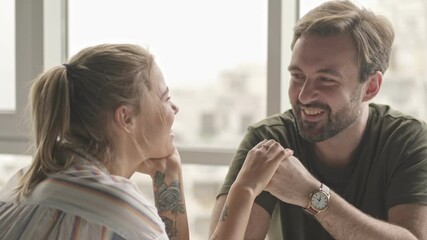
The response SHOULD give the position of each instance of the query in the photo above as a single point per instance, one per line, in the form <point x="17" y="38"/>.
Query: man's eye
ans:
<point x="297" y="76"/>
<point x="324" y="79"/>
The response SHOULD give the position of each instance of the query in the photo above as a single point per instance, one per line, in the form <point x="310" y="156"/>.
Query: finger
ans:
<point x="288" y="152"/>
<point x="274" y="145"/>
<point x="279" y="152"/>
<point x="268" y="144"/>
<point x="259" y="145"/>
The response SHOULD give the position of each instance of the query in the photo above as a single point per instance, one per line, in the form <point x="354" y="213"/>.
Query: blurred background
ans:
<point x="224" y="61"/>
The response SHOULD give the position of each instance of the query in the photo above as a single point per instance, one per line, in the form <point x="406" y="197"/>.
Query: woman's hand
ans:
<point x="168" y="165"/>
<point x="260" y="165"/>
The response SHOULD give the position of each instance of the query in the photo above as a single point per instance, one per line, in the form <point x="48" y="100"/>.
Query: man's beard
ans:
<point x="334" y="124"/>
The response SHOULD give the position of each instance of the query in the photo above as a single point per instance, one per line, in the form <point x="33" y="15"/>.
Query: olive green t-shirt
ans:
<point x="389" y="167"/>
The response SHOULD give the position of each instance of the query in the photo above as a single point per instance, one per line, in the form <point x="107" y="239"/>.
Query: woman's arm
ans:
<point x="259" y="166"/>
<point x="168" y="188"/>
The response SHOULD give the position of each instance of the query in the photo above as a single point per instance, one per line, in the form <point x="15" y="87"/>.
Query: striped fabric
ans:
<point x="83" y="202"/>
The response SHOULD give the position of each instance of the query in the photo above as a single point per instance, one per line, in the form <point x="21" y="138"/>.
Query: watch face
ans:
<point x="319" y="201"/>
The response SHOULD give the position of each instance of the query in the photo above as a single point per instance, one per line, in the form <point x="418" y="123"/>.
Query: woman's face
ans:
<point x="155" y="123"/>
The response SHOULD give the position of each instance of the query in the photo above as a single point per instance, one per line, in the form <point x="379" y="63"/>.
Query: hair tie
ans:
<point x="69" y="70"/>
<point x="68" y="67"/>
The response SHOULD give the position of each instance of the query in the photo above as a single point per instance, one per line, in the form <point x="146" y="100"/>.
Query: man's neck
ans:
<point x="337" y="151"/>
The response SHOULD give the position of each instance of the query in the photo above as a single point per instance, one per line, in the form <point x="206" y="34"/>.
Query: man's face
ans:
<point x="324" y="89"/>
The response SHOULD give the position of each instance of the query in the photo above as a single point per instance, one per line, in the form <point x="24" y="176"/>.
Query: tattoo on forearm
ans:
<point x="224" y="214"/>
<point x="168" y="197"/>
<point x="170" y="226"/>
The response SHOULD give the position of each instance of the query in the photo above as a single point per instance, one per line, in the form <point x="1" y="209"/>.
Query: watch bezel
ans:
<point x="324" y="196"/>
<point x="312" y="209"/>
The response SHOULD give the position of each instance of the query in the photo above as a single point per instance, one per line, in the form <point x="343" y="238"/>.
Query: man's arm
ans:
<point x="292" y="183"/>
<point x="259" y="220"/>
<point x="344" y="221"/>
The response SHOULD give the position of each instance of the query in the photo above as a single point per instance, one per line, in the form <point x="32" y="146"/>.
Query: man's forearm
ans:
<point x="344" y="221"/>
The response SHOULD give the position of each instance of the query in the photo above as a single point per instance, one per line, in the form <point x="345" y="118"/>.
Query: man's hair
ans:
<point x="373" y="34"/>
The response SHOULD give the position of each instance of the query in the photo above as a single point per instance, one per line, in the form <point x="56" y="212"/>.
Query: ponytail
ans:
<point x="50" y="105"/>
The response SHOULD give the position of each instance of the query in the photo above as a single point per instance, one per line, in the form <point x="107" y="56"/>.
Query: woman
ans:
<point x="97" y="120"/>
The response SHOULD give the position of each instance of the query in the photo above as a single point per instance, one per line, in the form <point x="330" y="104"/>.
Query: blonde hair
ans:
<point x="73" y="105"/>
<point x="372" y="34"/>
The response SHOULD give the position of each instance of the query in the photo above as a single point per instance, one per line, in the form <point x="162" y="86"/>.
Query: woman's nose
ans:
<point x="175" y="108"/>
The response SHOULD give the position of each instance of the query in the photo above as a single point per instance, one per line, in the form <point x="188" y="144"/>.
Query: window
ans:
<point x="208" y="128"/>
<point x="20" y="62"/>
<point x="7" y="61"/>
<point x="213" y="55"/>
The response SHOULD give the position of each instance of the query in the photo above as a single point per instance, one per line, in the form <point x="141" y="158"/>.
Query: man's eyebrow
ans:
<point x="165" y="92"/>
<point x="324" y="70"/>
<point x="293" y="68"/>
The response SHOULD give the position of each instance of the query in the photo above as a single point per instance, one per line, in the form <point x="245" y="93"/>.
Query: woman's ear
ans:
<point x="123" y="118"/>
<point x="373" y="86"/>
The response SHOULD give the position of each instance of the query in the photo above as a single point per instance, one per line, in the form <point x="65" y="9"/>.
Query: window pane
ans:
<point x="7" y="59"/>
<point x="10" y="164"/>
<point x="212" y="53"/>
<point x="405" y="85"/>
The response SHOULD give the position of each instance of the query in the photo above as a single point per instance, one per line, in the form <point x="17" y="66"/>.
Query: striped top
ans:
<point x="82" y="202"/>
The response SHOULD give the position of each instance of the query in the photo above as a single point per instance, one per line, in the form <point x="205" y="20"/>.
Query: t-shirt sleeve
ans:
<point x="408" y="182"/>
<point x="266" y="201"/>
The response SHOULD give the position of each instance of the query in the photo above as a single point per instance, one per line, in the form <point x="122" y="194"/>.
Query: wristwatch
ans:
<point x="319" y="200"/>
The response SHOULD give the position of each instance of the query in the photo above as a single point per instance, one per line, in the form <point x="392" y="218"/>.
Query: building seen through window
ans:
<point x="215" y="66"/>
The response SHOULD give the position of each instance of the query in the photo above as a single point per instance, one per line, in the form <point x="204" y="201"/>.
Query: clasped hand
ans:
<point x="260" y="165"/>
<point x="270" y="167"/>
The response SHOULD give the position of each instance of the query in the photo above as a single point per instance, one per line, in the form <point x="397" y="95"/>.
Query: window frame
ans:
<point x="41" y="42"/>
<point x="14" y="130"/>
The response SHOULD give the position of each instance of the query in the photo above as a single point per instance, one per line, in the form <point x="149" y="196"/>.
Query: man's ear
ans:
<point x="373" y="85"/>
<point x="123" y="118"/>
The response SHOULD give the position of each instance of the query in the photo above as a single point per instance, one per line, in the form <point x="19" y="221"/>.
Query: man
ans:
<point x="359" y="170"/>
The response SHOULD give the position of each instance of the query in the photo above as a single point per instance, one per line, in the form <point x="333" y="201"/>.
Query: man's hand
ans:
<point x="292" y="183"/>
